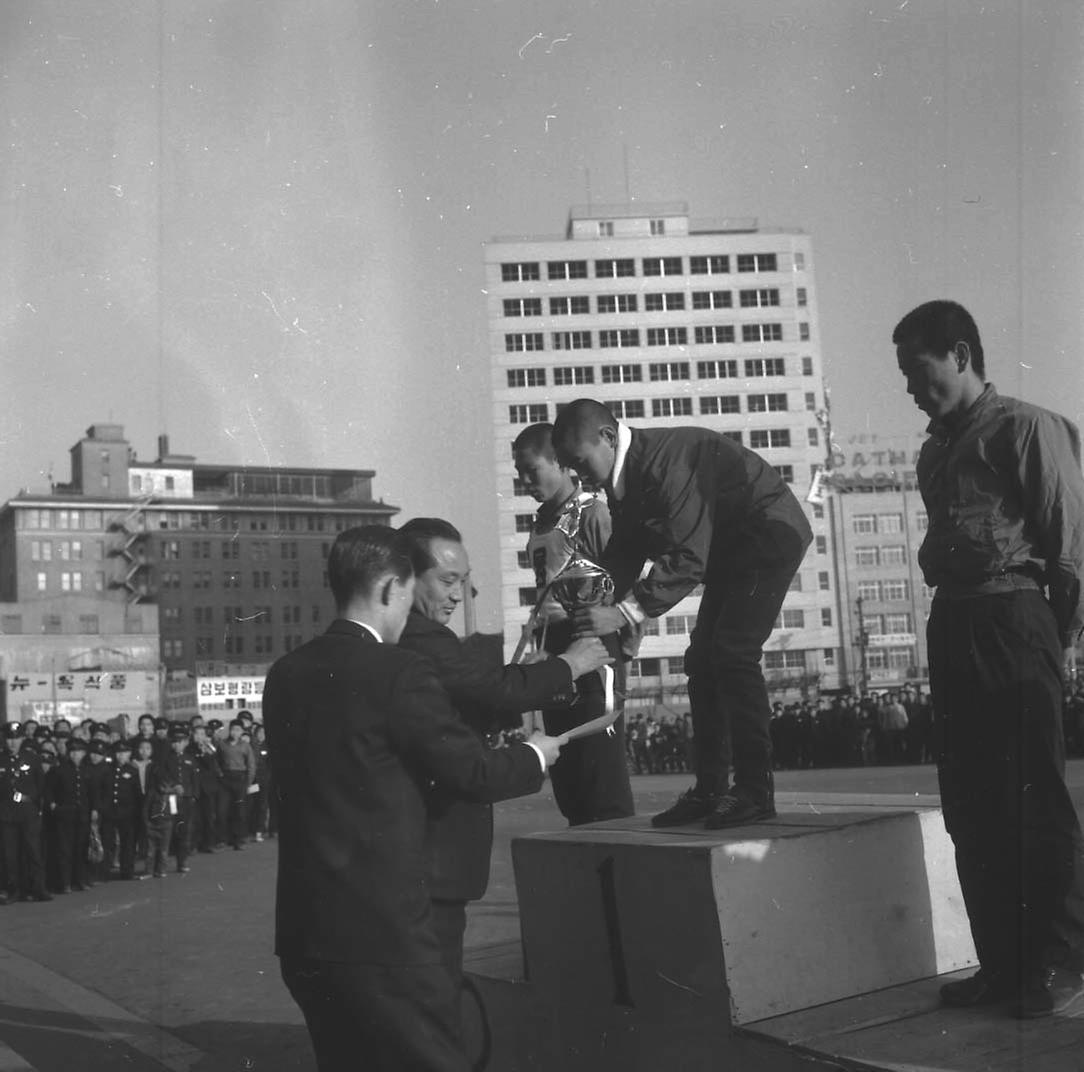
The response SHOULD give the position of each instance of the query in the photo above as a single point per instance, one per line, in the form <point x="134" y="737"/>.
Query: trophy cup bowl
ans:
<point x="582" y="583"/>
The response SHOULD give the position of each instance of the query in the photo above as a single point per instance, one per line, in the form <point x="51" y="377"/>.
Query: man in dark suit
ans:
<point x="487" y="697"/>
<point x="704" y="511"/>
<point x="357" y="729"/>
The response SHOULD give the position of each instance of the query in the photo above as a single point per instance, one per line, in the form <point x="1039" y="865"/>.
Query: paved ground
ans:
<point x="178" y="973"/>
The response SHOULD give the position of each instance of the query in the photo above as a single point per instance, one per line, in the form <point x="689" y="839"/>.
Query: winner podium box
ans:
<point x="644" y="945"/>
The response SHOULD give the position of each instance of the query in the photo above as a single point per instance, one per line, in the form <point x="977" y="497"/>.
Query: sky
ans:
<point x="256" y="225"/>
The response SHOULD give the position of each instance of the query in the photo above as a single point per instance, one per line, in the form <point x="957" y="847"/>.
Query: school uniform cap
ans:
<point x="97" y="748"/>
<point x="122" y="746"/>
<point x="214" y="724"/>
<point x="100" y="727"/>
<point x="13" y="730"/>
<point x="43" y="733"/>
<point x="178" y="731"/>
<point x="161" y="723"/>
<point x="77" y="744"/>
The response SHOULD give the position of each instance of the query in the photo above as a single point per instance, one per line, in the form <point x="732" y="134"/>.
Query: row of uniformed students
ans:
<point x="173" y="787"/>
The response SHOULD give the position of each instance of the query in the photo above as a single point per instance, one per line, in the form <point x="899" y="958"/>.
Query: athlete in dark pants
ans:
<point x="1004" y="548"/>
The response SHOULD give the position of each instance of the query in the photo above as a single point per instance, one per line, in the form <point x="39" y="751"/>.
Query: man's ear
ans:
<point x="385" y="592"/>
<point x="609" y="434"/>
<point x="962" y="354"/>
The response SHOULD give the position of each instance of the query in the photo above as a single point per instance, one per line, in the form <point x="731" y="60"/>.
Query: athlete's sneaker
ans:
<point x="690" y="807"/>
<point x="739" y="807"/>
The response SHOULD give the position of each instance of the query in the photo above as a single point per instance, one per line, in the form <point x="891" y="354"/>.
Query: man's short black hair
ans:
<point x="535" y="439"/>
<point x="937" y="326"/>
<point x="360" y="556"/>
<point x="419" y="533"/>
<point x="581" y="421"/>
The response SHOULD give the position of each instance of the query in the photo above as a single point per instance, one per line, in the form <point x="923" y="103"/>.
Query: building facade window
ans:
<point x="605" y="228"/>
<point x="566" y="269"/>
<point x="616" y="303"/>
<point x="622" y="373"/>
<point x="712" y="264"/>
<point x="759" y="298"/>
<point x="890" y="523"/>
<point x="709" y="334"/>
<point x="793" y="619"/>
<point x="802" y="297"/>
<point x="572" y="375"/>
<point x="523" y="341"/>
<point x="758" y="367"/>
<point x="572" y="340"/>
<point x="519" y="273"/>
<point x="807" y="366"/>
<point x="826" y="615"/>
<point x="671" y="407"/>
<point x="528" y="413"/>
<point x="767" y="403"/>
<point x="522" y="306"/>
<point x="762" y="438"/>
<point x="662" y="266"/>
<point x="575" y="305"/>
<point x="757" y="262"/>
<point x="893" y="556"/>
<point x="627" y="409"/>
<point x="714" y="405"/>
<point x="717" y="370"/>
<point x="664" y="303"/>
<point x="869" y="590"/>
<point x="811" y="402"/>
<point x="762" y="333"/>
<point x="615" y="268"/>
<point x="657" y="227"/>
<point x="867" y="556"/>
<point x="667" y="336"/>
<point x="786" y="473"/>
<point x="527" y="377"/>
<point x="524" y="522"/>
<point x="619" y="338"/>
<point x="660" y="371"/>
<point x="895" y="591"/>
<point x="864" y="524"/>
<point x="899" y="623"/>
<point x="813" y="436"/>
<point x="803" y="332"/>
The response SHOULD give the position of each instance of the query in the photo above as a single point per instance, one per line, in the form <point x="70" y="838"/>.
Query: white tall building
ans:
<point x="667" y="320"/>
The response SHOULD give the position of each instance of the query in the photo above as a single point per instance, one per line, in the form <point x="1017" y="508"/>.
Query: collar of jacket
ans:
<point x="343" y="625"/>
<point x="945" y="432"/>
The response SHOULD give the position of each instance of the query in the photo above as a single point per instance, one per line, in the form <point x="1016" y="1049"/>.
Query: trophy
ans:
<point x="579" y="583"/>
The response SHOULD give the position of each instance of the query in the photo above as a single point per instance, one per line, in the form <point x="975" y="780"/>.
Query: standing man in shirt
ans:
<point x="238" y="766"/>
<point x="704" y="511"/>
<point x="1003" y="490"/>
<point x="358" y="728"/>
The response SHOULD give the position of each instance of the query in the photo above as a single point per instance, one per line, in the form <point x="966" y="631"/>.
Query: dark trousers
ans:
<point x="235" y="785"/>
<point x="449" y="920"/>
<point x="383" y="1018"/>
<point x="181" y="841"/>
<point x="72" y="841"/>
<point x="204" y="818"/>
<point x="728" y="698"/>
<point x="119" y="831"/>
<point x="995" y="674"/>
<point x="257" y="811"/>
<point x="20" y="845"/>
<point x="591" y="777"/>
<point x="159" y="830"/>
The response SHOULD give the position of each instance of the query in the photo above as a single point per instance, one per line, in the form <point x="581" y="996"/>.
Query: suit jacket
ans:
<point x="356" y="731"/>
<point x="699" y="506"/>
<point x="484" y="696"/>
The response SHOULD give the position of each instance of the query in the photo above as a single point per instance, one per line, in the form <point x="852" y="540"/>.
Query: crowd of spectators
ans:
<point x="83" y="804"/>
<point x="887" y="728"/>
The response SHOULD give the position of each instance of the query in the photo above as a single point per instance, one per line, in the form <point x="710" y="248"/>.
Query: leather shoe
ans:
<point x="978" y="989"/>
<point x="690" y="807"/>
<point x="737" y="808"/>
<point x="1051" y="991"/>
<point x="42" y="896"/>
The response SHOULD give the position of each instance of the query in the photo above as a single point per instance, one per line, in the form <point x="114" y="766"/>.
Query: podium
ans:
<point x="644" y="947"/>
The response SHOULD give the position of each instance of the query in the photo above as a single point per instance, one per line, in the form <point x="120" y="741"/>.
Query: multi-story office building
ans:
<point x="879" y="522"/>
<point x="233" y="556"/>
<point x="668" y="320"/>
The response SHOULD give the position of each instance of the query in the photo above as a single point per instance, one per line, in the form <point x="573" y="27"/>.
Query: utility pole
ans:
<point x="863" y="642"/>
